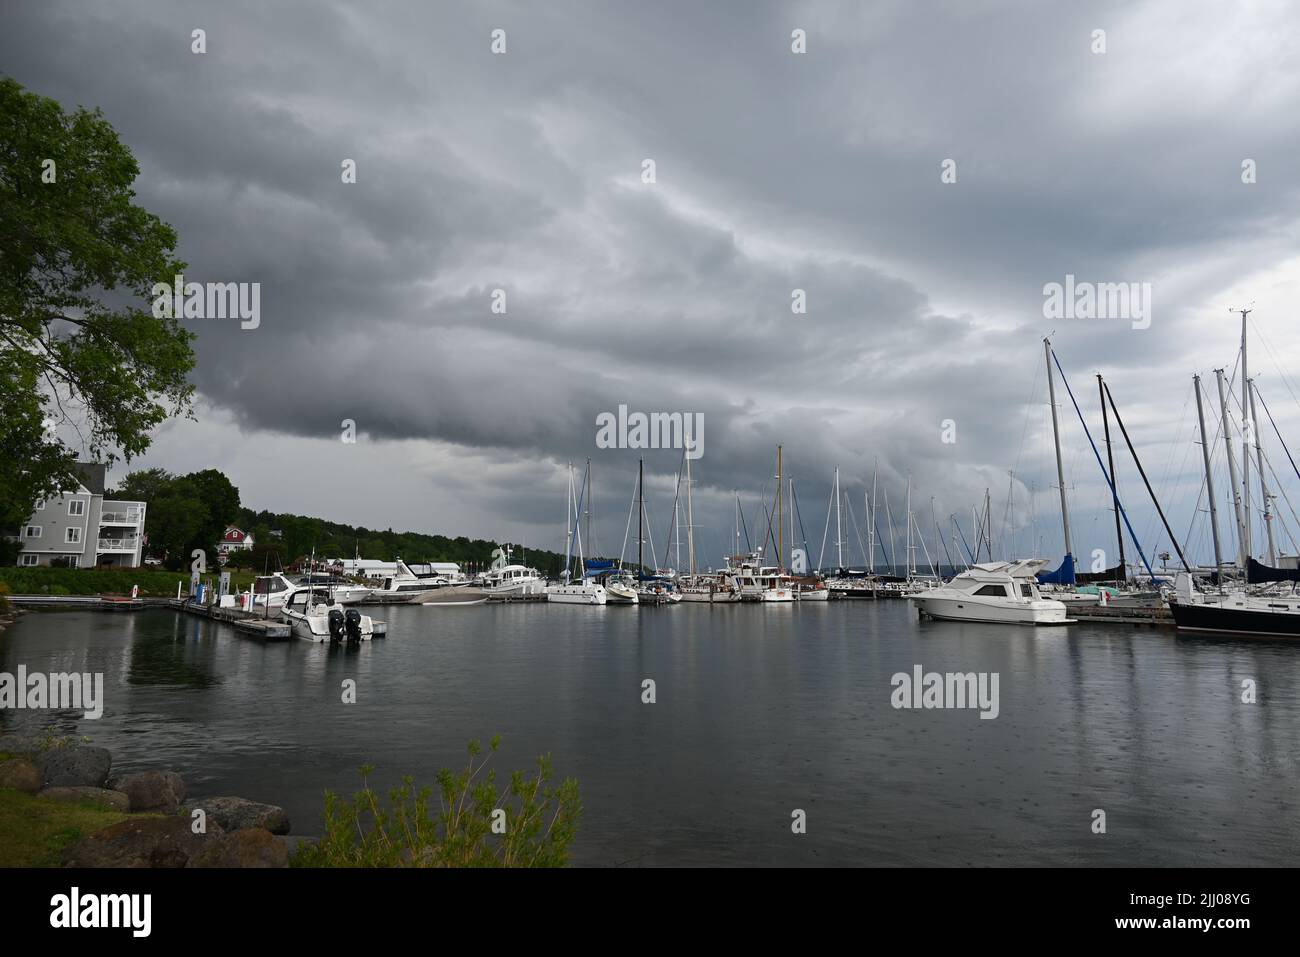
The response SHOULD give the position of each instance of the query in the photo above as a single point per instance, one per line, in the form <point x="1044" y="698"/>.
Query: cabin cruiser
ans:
<point x="267" y="591"/>
<point x="620" y="589"/>
<point x="997" y="592"/>
<point x="811" y="588"/>
<point x="658" y="591"/>
<point x="715" y="587"/>
<point x="313" y="615"/>
<point x="1236" y="612"/>
<point x="584" y="592"/>
<point x="344" y="591"/>
<point x="776" y="585"/>
<point x="513" y="581"/>
<point x="404" y="584"/>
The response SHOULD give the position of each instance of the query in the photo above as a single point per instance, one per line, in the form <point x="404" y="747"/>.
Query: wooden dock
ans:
<point x="254" y="625"/>
<point x="1152" y="616"/>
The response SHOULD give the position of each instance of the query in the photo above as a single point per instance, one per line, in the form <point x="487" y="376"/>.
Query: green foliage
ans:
<point x="184" y="512"/>
<point x="154" y="583"/>
<point x="301" y="534"/>
<point x="78" y="261"/>
<point x="539" y="821"/>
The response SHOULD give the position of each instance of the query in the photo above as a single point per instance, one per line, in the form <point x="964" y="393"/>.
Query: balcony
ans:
<point x="119" y="543"/>
<point x="118" y="513"/>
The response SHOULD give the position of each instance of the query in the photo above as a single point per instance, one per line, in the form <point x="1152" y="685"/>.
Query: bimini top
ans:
<point x="1024" y="568"/>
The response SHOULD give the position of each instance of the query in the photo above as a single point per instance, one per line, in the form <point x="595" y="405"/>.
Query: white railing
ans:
<point x="126" y="544"/>
<point x="131" y="516"/>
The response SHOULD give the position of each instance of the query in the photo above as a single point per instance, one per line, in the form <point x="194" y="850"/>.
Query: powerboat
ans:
<point x="1235" y="612"/>
<point x="718" y="588"/>
<point x="995" y="592"/>
<point x="513" y="581"/>
<point x="584" y="592"/>
<point x="343" y="591"/>
<point x="313" y="615"/>
<point x="404" y="584"/>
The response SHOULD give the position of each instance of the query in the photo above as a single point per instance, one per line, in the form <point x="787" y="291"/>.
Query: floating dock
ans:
<point x="252" y="624"/>
<point x="1153" y="616"/>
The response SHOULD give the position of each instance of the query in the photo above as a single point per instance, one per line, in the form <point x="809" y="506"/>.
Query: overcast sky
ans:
<point x="775" y="171"/>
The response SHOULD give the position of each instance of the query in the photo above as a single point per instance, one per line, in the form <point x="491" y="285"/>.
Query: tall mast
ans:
<point x="1114" y="479"/>
<point x="1263" y="488"/>
<point x="839" y="525"/>
<point x="586" y="502"/>
<point x="780" y="513"/>
<point x="988" y="522"/>
<point x="1209" y="478"/>
<point x="871" y="526"/>
<point x="907" y="561"/>
<point x="1246" y="416"/>
<point x="568" y="526"/>
<point x="792" y="538"/>
<point x="640" y="519"/>
<point x="1056" y="439"/>
<point x="690" y="519"/>
<point x="1232" y="473"/>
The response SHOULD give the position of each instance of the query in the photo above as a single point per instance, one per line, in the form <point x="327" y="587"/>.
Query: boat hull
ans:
<point x="451" y="595"/>
<point x="1244" y="621"/>
<point x="966" y="608"/>
<point x="577" y="595"/>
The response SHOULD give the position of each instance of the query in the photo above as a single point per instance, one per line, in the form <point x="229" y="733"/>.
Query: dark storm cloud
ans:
<point x="775" y="172"/>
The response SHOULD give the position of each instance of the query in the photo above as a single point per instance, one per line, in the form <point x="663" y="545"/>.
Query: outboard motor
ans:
<point x="336" y="626"/>
<point x="353" y="625"/>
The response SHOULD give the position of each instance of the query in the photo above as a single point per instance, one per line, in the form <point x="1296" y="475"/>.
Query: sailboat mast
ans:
<point x="1056" y="439"/>
<point x="690" y="519"/>
<point x="871" y="526"/>
<point x="1263" y="488"/>
<point x="1246" y="416"/>
<point x="640" y="519"/>
<point x="839" y="523"/>
<point x="780" y="513"/>
<point x="907" y="563"/>
<point x="1232" y="472"/>
<point x="1114" y="479"/>
<point x="1209" y="478"/>
<point x="568" y="526"/>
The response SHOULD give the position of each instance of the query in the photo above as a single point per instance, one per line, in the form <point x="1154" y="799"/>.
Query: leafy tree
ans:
<point x="79" y="343"/>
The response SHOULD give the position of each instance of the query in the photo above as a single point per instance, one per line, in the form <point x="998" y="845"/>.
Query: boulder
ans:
<point x="75" y="767"/>
<point x="236" y="813"/>
<point x="246" y="847"/>
<point x="113" y="800"/>
<point x="140" y="842"/>
<point x="161" y="791"/>
<point x="23" y="745"/>
<point x="21" y="775"/>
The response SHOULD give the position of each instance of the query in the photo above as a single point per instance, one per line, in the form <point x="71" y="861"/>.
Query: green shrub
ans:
<point x="534" y="822"/>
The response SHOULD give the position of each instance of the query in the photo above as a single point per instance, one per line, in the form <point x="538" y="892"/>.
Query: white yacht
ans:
<point x="404" y="583"/>
<point x="343" y="591"/>
<point x="999" y="592"/>
<point x="718" y="588"/>
<point x="585" y="592"/>
<point x="620" y="589"/>
<point x="513" y="581"/>
<point x="777" y="586"/>
<point x="313" y="616"/>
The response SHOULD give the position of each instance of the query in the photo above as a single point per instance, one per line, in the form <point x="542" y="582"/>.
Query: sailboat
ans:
<point x="583" y="591"/>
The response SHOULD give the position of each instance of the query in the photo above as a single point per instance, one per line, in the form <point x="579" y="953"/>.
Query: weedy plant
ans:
<point x="475" y="822"/>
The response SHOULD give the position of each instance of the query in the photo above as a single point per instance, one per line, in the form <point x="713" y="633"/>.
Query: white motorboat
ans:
<point x="513" y="581"/>
<point x="718" y="588"/>
<point x="585" y="592"/>
<point x="777" y="586"/>
<point x="313" y="616"/>
<point x="620" y="590"/>
<point x="343" y="591"/>
<point x="405" y="584"/>
<point x="996" y="592"/>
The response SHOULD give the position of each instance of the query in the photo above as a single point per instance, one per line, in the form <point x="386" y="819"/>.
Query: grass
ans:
<point x="34" y="831"/>
<point x="153" y="582"/>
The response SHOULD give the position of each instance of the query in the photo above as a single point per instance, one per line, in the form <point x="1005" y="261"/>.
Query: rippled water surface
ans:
<point x="760" y="710"/>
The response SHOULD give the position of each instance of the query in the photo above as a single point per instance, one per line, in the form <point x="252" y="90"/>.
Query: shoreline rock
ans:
<point x="159" y="791"/>
<point x="113" y="800"/>
<point x="236" y="813"/>
<point x="74" y="767"/>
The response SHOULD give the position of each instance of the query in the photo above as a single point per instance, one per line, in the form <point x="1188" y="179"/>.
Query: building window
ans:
<point x="40" y="506"/>
<point x="72" y="535"/>
<point x="32" y="531"/>
<point x="74" y="561"/>
<point x="76" y="506"/>
<point x="30" y="560"/>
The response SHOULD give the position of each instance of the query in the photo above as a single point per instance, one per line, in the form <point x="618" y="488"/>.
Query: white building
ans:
<point x="83" y="527"/>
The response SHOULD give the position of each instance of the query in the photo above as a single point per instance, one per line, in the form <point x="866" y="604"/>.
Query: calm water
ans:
<point x="760" y="710"/>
